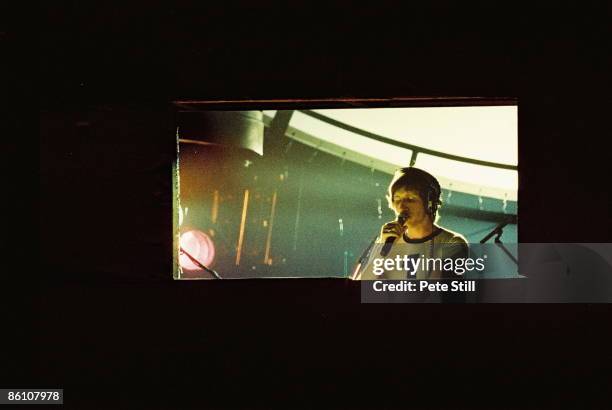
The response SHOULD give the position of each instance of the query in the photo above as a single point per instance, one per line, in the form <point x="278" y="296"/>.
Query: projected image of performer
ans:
<point x="414" y="197"/>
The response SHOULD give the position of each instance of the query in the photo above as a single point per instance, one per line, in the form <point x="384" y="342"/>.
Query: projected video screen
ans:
<point x="312" y="193"/>
<point x="305" y="193"/>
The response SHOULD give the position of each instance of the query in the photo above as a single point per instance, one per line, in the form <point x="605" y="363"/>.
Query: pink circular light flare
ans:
<point x="199" y="246"/>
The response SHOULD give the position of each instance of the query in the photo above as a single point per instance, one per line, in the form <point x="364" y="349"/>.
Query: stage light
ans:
<point x="199" y="246"/>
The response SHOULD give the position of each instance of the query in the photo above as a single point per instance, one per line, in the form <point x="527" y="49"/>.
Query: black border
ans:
<point x="133" y="331"/>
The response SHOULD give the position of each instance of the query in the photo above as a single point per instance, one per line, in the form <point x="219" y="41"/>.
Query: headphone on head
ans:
<point x="433" y="198"/>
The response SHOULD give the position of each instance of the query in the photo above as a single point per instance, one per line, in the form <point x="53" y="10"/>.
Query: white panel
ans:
<point x="342" y="138"/>
<point x="470" y="178"/>
<point x="485" y="133"/>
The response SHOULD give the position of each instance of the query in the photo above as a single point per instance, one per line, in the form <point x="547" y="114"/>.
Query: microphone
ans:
<point x="401" y="218"/>
<point x="512" y="219"/>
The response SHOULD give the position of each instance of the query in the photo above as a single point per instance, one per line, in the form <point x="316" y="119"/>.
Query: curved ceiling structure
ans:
<point x="469" y="149"/>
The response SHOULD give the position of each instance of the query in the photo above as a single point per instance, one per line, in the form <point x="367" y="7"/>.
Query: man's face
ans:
<point x="410" y="202"/>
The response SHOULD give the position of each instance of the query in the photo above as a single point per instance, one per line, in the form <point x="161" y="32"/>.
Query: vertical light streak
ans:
<point x="245" y="205"/>
<point x="215" y="207"/>
<point x="267" y="260"/>
<point x="297" y="214"/>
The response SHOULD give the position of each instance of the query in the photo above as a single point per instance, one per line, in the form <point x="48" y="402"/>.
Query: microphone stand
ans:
<point x="200" y="264"/>
<point x="497" y="232"/>
<point x="364" y="257"/>
<point x="401" y="218"/>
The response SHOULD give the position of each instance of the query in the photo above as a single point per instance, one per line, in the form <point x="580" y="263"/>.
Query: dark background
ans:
<point x="115" y="331"/>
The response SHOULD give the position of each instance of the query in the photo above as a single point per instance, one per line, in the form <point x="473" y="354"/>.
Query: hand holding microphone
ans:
<point x="391" y="231"/>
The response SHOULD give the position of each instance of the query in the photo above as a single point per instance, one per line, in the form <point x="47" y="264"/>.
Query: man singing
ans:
<point x="414" y="197"/>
